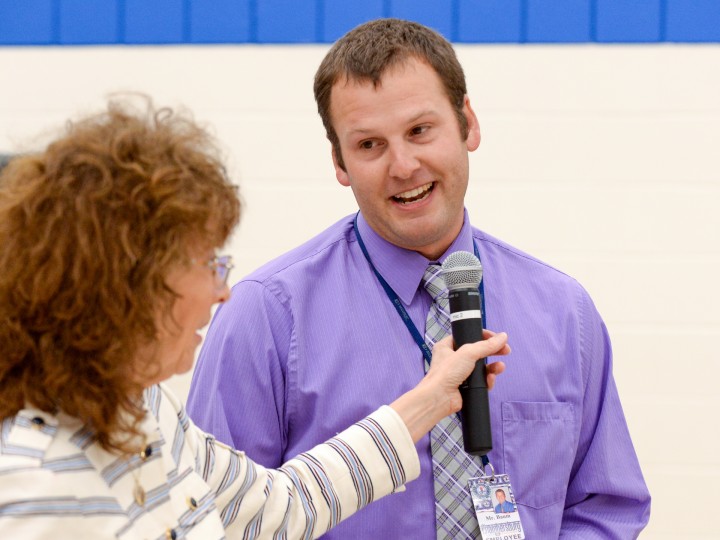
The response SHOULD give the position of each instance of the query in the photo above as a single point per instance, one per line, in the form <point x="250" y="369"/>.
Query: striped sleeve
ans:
<point x="316" y="490"/>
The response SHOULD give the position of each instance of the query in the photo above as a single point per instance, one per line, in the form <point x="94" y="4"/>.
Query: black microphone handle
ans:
<point x="475" y="418"/>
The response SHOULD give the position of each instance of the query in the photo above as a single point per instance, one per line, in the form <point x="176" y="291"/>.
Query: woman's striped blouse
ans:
<point x="55" y="482"/>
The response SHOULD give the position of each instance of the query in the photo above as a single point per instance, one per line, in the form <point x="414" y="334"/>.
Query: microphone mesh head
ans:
<point x="461" y="270"/>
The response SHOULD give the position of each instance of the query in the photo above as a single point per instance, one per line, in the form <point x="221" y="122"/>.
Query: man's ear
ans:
<point x="340" y="172"/>
<point x="473" y="126"/>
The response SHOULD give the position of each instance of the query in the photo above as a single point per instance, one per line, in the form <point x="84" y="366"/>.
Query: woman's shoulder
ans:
<point x="37" y="447"/>
<point x="29" y="434"/>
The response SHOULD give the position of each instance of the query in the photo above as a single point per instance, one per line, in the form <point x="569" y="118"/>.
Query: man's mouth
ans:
<point x="414" y="195"/>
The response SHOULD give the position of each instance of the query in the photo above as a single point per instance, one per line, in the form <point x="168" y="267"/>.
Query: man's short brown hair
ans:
<point x="366" y="52"/>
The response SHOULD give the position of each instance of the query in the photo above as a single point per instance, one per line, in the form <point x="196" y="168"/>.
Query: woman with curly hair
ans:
<point x="108" y="271"/>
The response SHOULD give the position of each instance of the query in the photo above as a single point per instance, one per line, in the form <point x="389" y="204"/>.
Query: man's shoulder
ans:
<point x="322" y="249"/>
<point x="506" y="253"/>
<point x="521" y="266"/>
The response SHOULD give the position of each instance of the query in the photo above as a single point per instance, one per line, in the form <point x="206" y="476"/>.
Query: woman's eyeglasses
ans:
<point x="221" y="267"/>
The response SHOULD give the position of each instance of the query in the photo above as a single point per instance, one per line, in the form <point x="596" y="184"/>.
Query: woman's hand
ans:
<point x="438" y="395"/>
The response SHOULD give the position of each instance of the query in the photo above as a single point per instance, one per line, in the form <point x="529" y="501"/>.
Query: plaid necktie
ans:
<point x="452" y="467"/>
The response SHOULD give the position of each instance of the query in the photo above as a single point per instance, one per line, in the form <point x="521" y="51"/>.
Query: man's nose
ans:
<point x="403" y="160"/>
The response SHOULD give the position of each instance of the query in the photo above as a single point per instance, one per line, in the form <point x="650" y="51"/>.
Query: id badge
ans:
<point x="495" y="507"/>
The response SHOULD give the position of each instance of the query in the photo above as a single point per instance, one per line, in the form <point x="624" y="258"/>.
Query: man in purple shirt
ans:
<point x="311" y="342"/>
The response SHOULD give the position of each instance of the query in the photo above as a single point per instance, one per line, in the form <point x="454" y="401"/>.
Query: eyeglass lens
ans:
<point x="222" y="268"/>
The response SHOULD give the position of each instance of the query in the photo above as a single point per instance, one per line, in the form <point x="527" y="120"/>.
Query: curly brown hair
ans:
<point x="368" y="50"/>
<point x="89" y="230"/>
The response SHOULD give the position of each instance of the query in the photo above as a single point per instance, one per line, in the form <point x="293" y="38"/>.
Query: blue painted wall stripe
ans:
<point x="340" y="16"/>
<point x="490" y="21"/>
<point x="121" y="21"/>
<point x="55" y="14"/>
<point x="693" y="20"/>
<point x="662" y="23"/>
<point x="87" y="22"/>
<point x="593" y="19"/>
<point x="154" y="22"/>
<point x="220" y="21"/>
<point x="628" y="21"/>
<point x="432" y="13"/>
<point x="29" y="22"/>
<point x="558" y="21"/>
<point x="286" y="21"/>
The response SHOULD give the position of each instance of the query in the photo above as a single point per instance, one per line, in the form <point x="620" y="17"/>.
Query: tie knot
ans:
<point x="433" y="281"/>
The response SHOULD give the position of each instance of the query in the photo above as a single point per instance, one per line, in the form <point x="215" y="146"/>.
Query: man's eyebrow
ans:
<point x="411" y="120"/>
<point x="418" y="116"/>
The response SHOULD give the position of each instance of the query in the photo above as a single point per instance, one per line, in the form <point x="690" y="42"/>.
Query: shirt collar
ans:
<point x="401" y="268"/>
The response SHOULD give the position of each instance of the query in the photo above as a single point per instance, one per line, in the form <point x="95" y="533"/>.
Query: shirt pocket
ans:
<point x="538" y="450"/>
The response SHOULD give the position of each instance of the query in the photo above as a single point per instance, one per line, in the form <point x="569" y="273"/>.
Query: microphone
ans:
<point x="462" y="273"/>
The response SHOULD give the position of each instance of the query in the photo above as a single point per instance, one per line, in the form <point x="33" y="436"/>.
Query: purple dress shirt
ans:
<point x="310" y="343"/>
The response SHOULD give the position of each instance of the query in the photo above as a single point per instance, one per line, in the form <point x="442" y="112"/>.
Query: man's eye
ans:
<point x="367" y="145"/>
<point x="418" y="130"/>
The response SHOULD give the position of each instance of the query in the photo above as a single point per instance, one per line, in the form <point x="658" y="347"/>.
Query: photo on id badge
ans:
<point x="495" y="508"/>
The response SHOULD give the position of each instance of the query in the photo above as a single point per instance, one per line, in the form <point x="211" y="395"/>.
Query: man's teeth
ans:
<point x="414" y="194"/>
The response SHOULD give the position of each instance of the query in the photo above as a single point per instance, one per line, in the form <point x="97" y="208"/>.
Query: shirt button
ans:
<point x="37" y="422"/>
<point x="170" y="534"/>
<point x="192" y="503"/>
<point x="147" y="452"/>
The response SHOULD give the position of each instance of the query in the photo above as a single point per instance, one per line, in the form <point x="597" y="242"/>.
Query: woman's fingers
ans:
<point x="462" y="362"/>
<point x="493" y="345"/>
<point x="493" y="370"/>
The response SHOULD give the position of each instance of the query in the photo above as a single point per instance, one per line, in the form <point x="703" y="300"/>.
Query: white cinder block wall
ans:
<point x="602" y="160"/>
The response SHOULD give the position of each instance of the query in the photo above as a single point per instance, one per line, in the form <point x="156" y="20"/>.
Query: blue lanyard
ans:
<point x="395" y="299"/>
